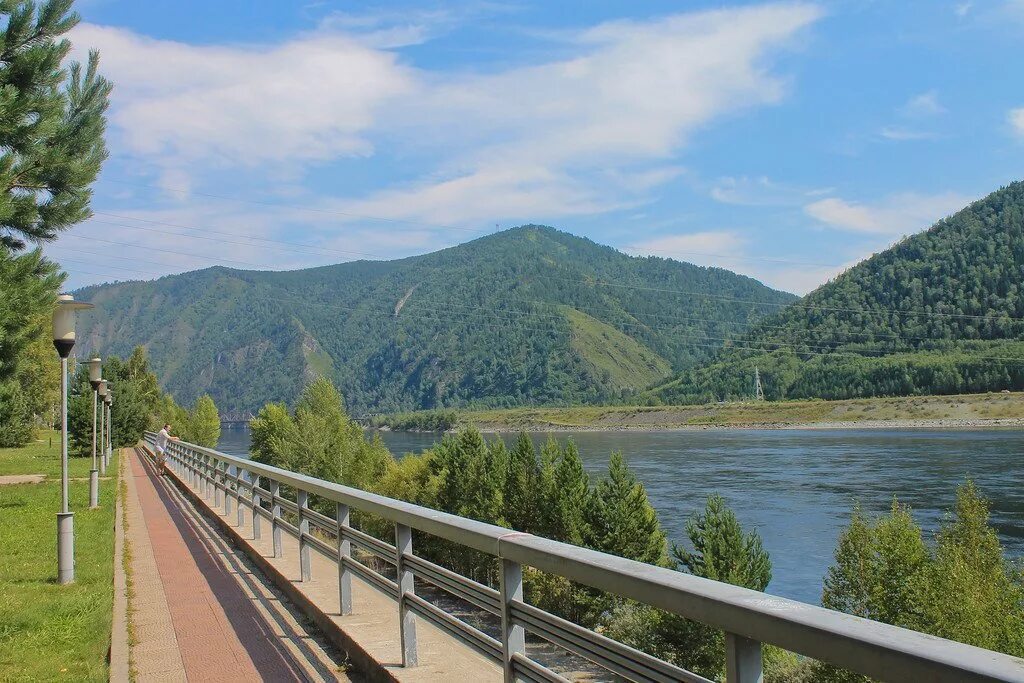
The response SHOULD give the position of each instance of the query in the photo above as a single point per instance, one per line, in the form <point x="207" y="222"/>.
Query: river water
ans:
<point x="797" y="487"/>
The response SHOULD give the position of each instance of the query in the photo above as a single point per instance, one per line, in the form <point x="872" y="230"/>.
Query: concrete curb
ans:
<point x="119" y="664"/>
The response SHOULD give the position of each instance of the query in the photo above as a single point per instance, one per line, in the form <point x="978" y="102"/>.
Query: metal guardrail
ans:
<point x="748" y="618"/>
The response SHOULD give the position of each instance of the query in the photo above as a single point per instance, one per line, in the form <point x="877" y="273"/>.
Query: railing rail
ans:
<point x="748" y="618"/>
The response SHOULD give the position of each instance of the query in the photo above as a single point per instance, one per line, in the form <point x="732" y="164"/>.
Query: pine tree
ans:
<point x="721" y="551"/>
<point x="569" y="500"/>
<point x="51" y="124"/>
<point x="521" y="480"/>
<point x="203" y="422"/>
<point x="623" y="521"/>
<point x="15" y="421"/>
<point x="29" y="285"/>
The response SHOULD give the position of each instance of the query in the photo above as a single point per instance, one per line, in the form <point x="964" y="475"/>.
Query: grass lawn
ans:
<point x="47" y="631"/>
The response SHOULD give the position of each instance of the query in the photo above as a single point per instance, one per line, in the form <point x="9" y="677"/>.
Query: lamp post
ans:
<point x="64" y="341"/>
<point x="110" y="425"/>
<point x="95" y="373"/>
<point x="101" y="392"/>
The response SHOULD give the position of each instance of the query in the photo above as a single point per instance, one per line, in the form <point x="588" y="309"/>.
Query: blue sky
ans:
<point x="781" y="140"/>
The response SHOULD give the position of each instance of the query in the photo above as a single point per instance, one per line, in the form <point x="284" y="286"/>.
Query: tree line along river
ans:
<point x="797" y="487"/>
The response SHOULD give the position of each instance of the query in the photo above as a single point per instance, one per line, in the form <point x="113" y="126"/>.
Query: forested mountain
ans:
<point x="529" y="315"/>
<point x="940" y="312"/>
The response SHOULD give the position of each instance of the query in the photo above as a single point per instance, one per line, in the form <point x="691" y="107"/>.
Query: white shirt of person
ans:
<point x="161" y="440"/>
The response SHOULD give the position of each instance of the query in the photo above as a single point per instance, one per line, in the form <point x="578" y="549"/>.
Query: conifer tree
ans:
<point x="721" y="551"/>
<point x="623" y="522"/>
<point x="550" y="452"/>
<point x="570" y="498"/>
<point x="521" y="480"/>
<point x="51" y="123"/>
<point x="481" y="489"/>
<point x="29" y="284"/>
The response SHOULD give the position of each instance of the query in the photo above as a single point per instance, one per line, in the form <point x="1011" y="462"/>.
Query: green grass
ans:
<point x="47" y="631"/>
<point x="623" y="361"/>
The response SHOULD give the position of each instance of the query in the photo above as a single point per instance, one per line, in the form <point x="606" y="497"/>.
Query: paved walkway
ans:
<point x="199" y="611"/>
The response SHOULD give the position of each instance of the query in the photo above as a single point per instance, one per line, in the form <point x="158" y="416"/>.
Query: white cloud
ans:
<point x="917" y="118"/>
<point x="923" y="105"/>
<point x="901" y="133"/>
<point x="1016" y="119"/>
<point x="898" y="214"/>
<point x="711" y="247"/>
<point x="730" y="250"/>
<point x="962" y="9"/>
<point x="310" y="99"/>
<point x="761" y="191"/>
<point x="588" y="132"/>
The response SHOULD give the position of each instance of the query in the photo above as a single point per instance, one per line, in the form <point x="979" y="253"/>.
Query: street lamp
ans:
<point x="64" y="341"/>
<point x="101" y="391"/>
<point x="110" y="426"/>
<point x="95" y="375"/>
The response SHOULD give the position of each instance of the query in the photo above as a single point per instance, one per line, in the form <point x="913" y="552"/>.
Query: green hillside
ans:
<point x="940" y="312"/>
<point x="529" y="315"/>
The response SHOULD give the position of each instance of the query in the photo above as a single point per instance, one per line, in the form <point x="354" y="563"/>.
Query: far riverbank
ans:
<point x="968" y="411"/>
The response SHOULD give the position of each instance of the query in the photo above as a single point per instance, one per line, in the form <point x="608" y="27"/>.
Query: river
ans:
<point x="797" y="487"/>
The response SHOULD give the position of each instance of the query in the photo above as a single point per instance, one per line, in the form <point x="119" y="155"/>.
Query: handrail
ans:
<point x="748" y="617"/>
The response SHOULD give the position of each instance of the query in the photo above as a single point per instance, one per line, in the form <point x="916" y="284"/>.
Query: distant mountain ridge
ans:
<point x="940" y="312"/>
<point x="528" y="315"/>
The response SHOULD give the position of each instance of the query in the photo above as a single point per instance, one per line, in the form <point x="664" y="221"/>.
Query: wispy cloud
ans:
<point x="923" y="105"/>
<point x="585" y="133"/>
<point x="895" y="215"/>
<point x="761" y="191"/>
<point x="1016" y="119"/>
<point x="916" y="118"/>
<point x="962" y="9"/>
<point x="900" y="133"/>
<point x="730" y="250"/>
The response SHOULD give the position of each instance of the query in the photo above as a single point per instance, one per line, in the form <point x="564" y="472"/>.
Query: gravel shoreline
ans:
<point x="945" y="423"/>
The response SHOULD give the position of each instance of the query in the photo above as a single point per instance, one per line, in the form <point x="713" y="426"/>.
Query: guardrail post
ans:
<point x="344" y="556"/>
<point x="275" y="508"/>
<point x="227" y="489"/>
<point x="302" y="498"/>
<point x="742" y="660"/>
<point x="406" y="584"/>
<point x="238" y="498"/>
<point x="204" y="463"/>
<point x="513" y="636"/>
<point x="256" y="505"/>
<point x="216" y="483"/>
<point x="201" y="474"/>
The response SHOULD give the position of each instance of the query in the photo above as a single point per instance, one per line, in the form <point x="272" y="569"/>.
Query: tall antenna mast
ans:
<point x="758" y="389"/>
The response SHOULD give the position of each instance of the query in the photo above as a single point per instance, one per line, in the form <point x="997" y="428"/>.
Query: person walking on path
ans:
<point x="161" y="447"/>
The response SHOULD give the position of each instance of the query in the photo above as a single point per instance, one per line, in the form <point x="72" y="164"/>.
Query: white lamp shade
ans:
<point x="64" y="317"/>
<point x="95" y="370"/>
<point x="102" y="388"/>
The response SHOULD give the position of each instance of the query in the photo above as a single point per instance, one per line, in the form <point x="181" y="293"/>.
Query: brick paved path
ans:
<point x="226" y="622"/>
